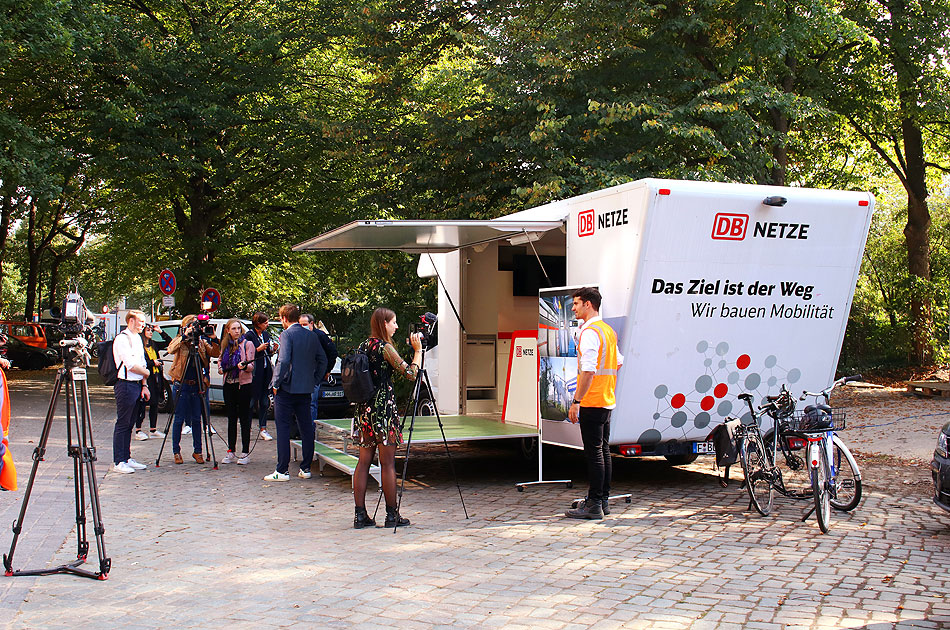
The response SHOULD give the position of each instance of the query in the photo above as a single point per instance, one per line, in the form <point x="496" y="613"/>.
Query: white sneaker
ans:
<point x="156" y="434"/>
<point x="186" y="430"/>
<point x="134" y="464"/>
<point x="265" y="435"/>
<point x="213" y="432"/>
<point x="141" y="435"/>
<point x="123" y="468"/>
<point x="229" y="458"/>
<point x="305" y="474"/>
<point x="276" y="476"/>
<point x="244" y="459"/>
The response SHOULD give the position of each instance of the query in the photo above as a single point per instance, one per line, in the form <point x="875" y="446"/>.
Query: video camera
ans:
<point x="75" y="317"/>
<point x="425" y="327"/>
<point x="199" y="328"/>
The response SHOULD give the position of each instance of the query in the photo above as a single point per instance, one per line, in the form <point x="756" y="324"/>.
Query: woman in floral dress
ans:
<point x="377" y="422"/>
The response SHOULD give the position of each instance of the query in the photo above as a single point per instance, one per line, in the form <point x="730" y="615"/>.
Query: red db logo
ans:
<point x="730" y="227"/>
<point x="585" y="223"/>
<point x="518" y="352"/>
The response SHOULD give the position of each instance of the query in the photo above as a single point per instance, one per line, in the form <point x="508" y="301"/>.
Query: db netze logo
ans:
<point x="527" y="352"/>
<point x="585" y="223"/>
<point x="730" y="227"/>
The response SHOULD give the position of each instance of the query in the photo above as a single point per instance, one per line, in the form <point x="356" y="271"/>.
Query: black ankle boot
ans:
<point x="604" y="508"/>
<point x="362" y="519"/>
<point x="393" y="519"/>
<point x="586" y="509"/>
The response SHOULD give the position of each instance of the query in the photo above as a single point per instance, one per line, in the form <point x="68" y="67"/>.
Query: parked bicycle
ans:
<point x="834" y="476"/>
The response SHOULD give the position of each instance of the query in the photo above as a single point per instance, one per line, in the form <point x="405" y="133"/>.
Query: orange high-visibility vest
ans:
<point x="604" y="385"/>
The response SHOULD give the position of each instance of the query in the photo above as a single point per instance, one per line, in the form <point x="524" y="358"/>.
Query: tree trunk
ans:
<point x="917" y="239"/>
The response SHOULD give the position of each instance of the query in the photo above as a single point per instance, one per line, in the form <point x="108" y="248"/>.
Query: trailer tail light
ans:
<point x="664" y="191"/>
<point x="630" y="450"/>
<point x="864" y="203"/>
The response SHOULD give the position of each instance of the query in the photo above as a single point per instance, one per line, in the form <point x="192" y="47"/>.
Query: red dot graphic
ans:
<point x="743" y="361"/>
<point x="721" y="390"/>
<point x="678" y="401"/>
<point x="707" y="403"/>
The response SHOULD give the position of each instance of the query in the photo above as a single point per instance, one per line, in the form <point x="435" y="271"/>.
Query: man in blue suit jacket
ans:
<point x="300" y="363"/>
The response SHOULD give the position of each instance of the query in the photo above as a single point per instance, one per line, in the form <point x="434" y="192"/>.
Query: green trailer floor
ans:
<point x="457" y="429"/>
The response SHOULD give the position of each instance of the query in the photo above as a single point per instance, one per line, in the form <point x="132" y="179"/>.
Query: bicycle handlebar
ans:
<point x="826" y="392"/>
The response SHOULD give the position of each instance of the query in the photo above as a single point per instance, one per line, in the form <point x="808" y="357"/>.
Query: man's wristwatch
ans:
<point x="575" y="402"/>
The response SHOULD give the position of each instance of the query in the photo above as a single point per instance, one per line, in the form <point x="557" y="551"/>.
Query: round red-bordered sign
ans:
<point x="212" y="295"/>
<point x="166" y="282"/>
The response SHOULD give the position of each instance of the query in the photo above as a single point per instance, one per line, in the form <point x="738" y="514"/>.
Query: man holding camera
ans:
<point x="300" y="363"/>
<point x="597" y="364"/>
<point x="186" y="374"/>
<point x="263" y="371"/>
<point x="130" y="389"/>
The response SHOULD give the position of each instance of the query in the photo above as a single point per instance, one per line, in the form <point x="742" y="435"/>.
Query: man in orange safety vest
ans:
<point x="597" y="364"/>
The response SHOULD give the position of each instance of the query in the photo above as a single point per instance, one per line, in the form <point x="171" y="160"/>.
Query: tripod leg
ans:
<point x="445" y="442"/>
<point x="38" y="454"/>
<point x="75" y="452"/>
<point x="405" y="463"/>
<point x="88" y="458"/>
<point x="206" y="424"/>
<point x="168" y="425"/>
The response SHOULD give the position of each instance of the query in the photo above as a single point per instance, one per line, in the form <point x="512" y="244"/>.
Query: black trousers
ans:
<point x="595" y="432"/>
<point x="237" y="405"/>
<point x="156" y="385"/>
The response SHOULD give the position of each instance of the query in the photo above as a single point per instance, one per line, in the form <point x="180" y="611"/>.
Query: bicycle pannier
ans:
<point x="724" y="441"/>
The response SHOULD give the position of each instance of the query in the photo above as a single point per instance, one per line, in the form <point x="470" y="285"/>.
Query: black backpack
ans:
<point x="726" y="445"/>
<point x="108" y="370"/>
<point x="358" y="385"/>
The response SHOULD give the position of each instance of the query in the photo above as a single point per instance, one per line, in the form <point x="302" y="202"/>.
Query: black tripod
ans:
<point x="422" y="377"/>
<point x="81" y="448"/>
<point x="195" y="362"/>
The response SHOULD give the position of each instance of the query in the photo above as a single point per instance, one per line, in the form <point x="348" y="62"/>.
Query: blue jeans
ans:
<point x="187" y="409"/>
<point x="287" y="407"/>
<point x="315" y="402"/>
<point x="128" y="400"/>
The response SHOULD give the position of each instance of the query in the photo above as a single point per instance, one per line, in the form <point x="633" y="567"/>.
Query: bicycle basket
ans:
<point x="815" y="420"/>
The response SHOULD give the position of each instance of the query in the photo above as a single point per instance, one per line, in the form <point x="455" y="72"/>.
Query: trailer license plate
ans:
<point x="334" y="393"/>
<point x="703" y="447"/>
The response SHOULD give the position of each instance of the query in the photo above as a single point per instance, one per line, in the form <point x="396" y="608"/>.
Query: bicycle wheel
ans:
<point x="756" y="468"/>
<point x="819" y="487"/>
<point x="847" y="484"/>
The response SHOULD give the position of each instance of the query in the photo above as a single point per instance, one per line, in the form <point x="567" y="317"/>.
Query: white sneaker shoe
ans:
<point x="134" y="464"/>
<point x="305" y="474"/>
<point x="276" y="476"/>
<point x="186" y="430"/>
<point x="213" y="432"/>
<point x="229" y="458"/>
<point x="156" y="434"/>
<point x="265" y="435"/>
<point x="141" y="435"/>
<point x="244" y="459"/>
<point x="123" y="468"/>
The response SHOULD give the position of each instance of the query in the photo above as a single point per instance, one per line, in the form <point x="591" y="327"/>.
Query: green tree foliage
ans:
<point x="887" y="75"/>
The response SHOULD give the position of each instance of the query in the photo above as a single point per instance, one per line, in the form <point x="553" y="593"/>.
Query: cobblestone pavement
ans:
<point x="196" y="547"/>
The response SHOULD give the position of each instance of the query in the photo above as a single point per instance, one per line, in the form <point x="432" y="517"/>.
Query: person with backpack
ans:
<point x="131" y="389"/>
<point x="377" y="425"/>
<point x="329" y="348"/>
<point x="237" y="366"/>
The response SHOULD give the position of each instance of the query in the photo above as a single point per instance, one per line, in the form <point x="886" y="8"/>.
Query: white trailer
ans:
<point x="714" y="289"/>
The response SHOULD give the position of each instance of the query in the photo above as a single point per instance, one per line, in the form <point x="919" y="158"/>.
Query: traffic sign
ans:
<point x="168" y="301"/>
<point x="167" y="282"/>
<point x="212" y="295"/>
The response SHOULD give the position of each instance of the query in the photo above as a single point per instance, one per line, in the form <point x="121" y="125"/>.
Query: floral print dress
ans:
<point x="378" y="422"/>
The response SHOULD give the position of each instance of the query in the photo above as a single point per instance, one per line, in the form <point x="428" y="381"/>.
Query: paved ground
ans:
<point x="193" y="547"/>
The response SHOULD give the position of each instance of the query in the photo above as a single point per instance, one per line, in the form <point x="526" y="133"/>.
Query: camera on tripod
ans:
<point x="201" y="327"/>
<point x="425" y="327"/>
<point x="75" y="317"/>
